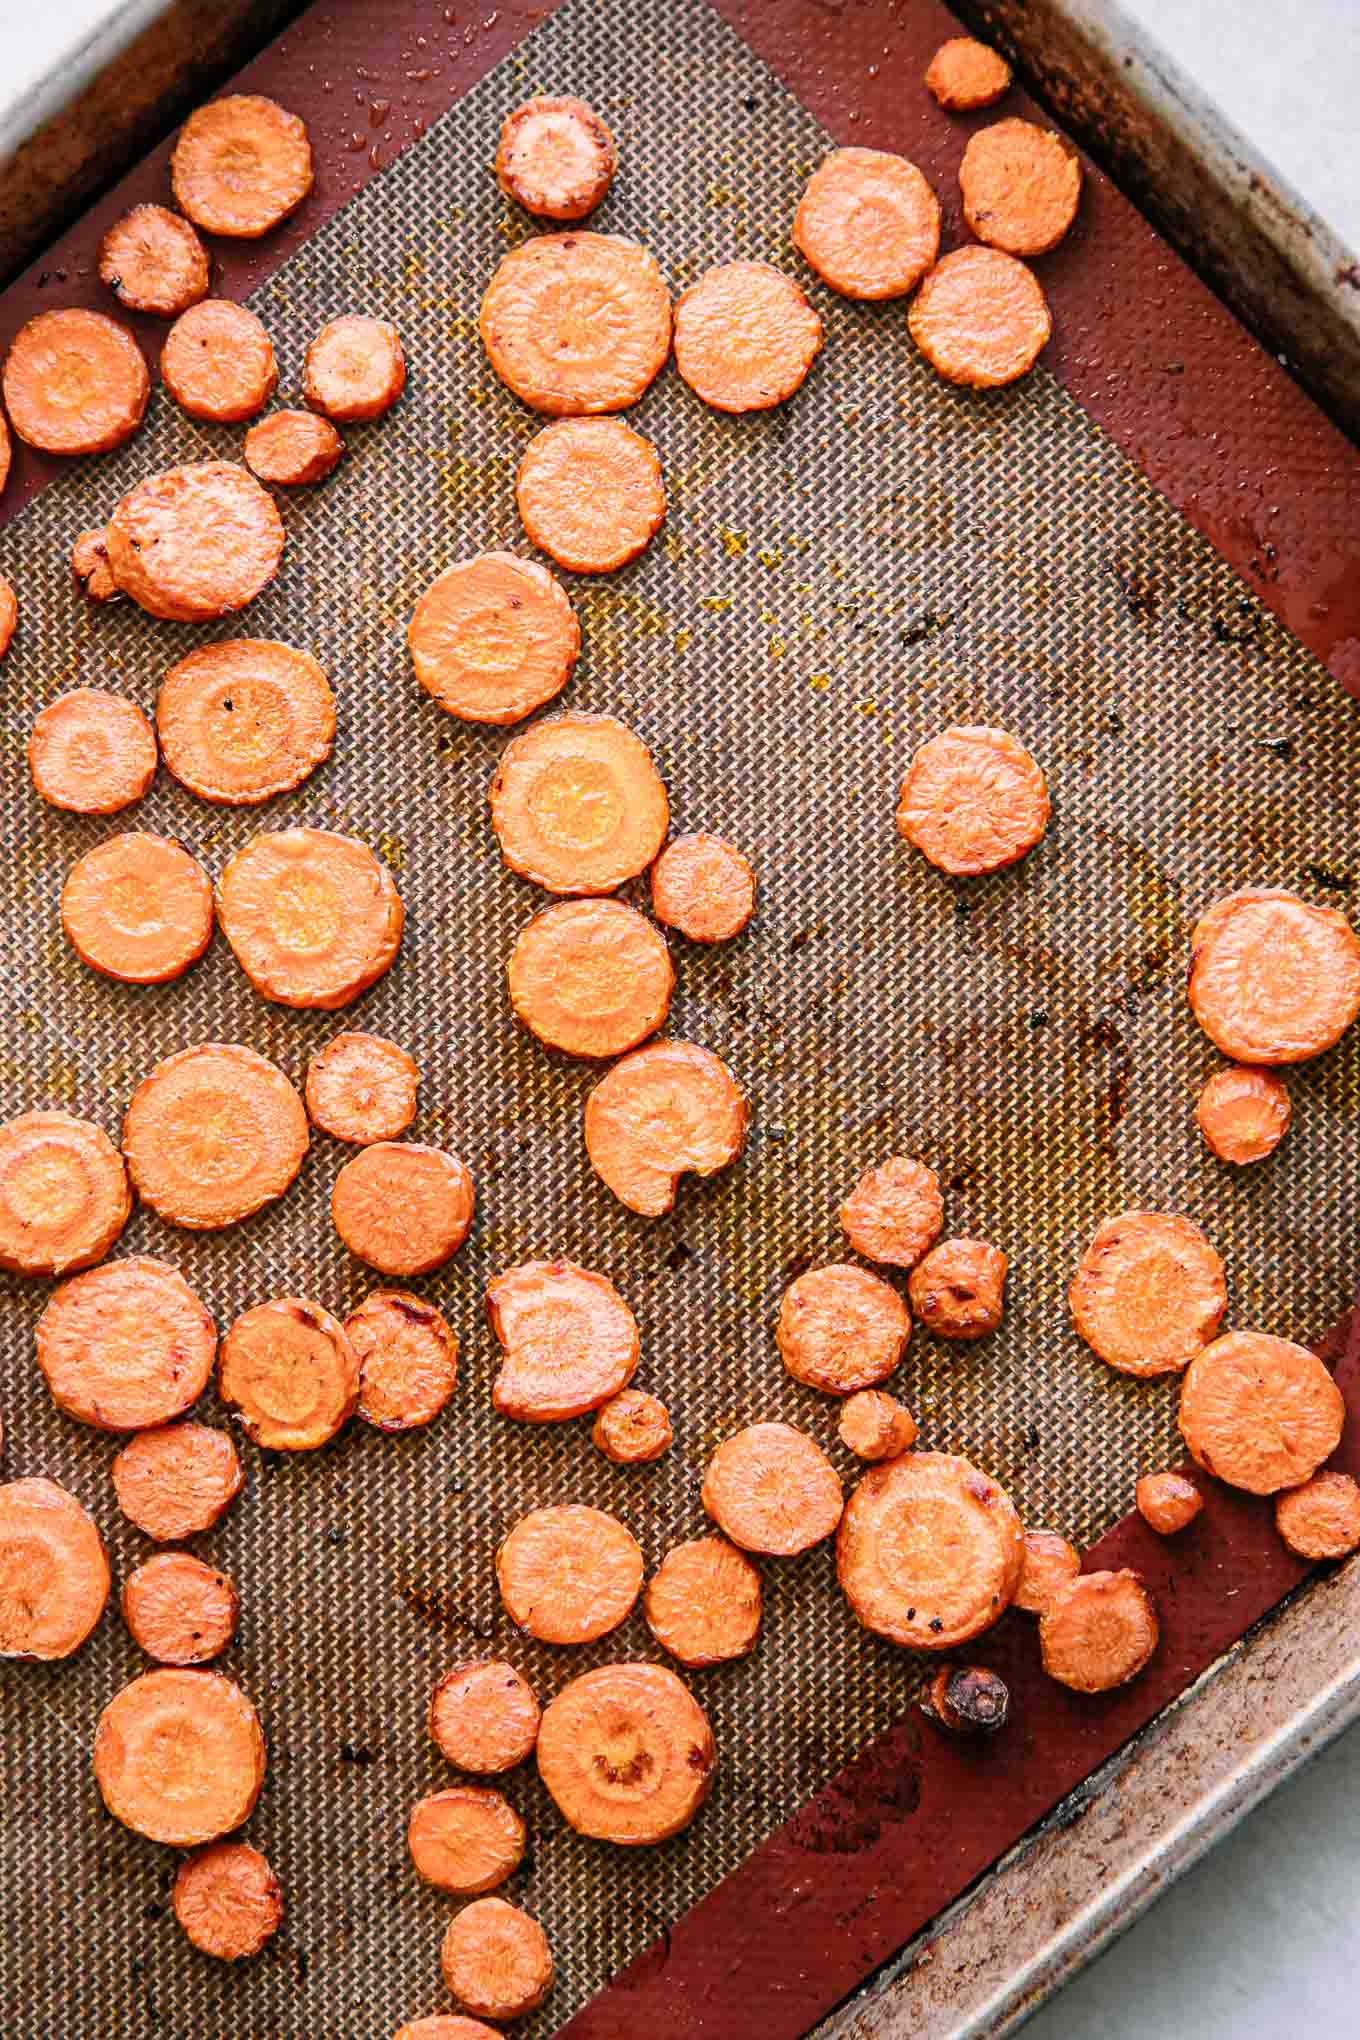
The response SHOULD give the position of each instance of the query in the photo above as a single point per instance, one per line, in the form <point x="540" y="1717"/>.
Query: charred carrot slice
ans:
<point x="494" y="638"/>
<point x="355" y="368"/>
<point x="484" y="1716"/>
<point x="218" y="362"/>
<point x="569" y="1339"/>
<point x="745" y="336"/>
<point x="703" y="886"/>
<point x="980" y="318"/>
<point x="632" y="1428"/>
<point x="1098" y="1631"/>
<point x="403" y="1208"/>
<point x="245" y="719"/>
<point x="771" y="1489"/>
<point x="153" y="261"/>
<point x="446" y="2026"/>
<point x="577" y="804"/>
<point x="968" y="1700"/>
<point x="240" y="165"/>
<point x="362" y="1088"/>
<point x="228" y="1901"/>
<point x="138" y="908"/>
<point x="467" y="1839"/>
<point x="126" y="1346"/>
<point x="179" y="1757"/>
<point x="289" y="1371"/>
<point x="54" y="1572"/>
<point x="75" y="382"/>
<point x="176" y="1480"/>
<point x="90" y="567"/>
<point x="1260" y="1413"/>
<point x="1244" y="1113"/>
<point x="894" y="1212"/>
<point x="1167" y="1502"/>
<point x="1149" y="1292"/>
<point x="555" y="158"/>
<point x="841" y="1328"/>
<point x="703" y="1603"/>
<point x="868" y="223"/>
<point x="64" y="1194"/>
<point x="408" y="1360"/>
<point x="212" y="1134"/>
<point x="1273" y="979"/>
<point x="312" y="918"/>
<point x="590" y="977"/>
<point x="964" y="75"/>
<point x="91" y="752"/>
<point x="195" y="542"/>
<point x="627" y="1753"/>
<point x="1321" y="1519"/>
<point x="973" y="800"/>
<point x="292" y="449"/>
<point x="496" y="1960"/>
<point x="663" y="1112"/>
<point x="9" y="615"/>
<point x="178" y="1610"/>
<point x="1049" y="1563"/>
<point x="575" y="323"/>
<point x="569" y="1574"/>
<point x="590" y="494"/>
<point x="929" y="1551"/>
<point x="1020" y="186"/>
<point x="873" y="1425"/>
<point x="958" y="1290"/>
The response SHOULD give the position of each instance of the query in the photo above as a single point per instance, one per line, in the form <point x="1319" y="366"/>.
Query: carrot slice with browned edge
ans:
<point x="179" y="1610"/>
<point x="179" y="1757"/>
<point x="555" y="157"/>
<point x="569" y="1574"/>
<point x="745" y="336"/>
<point x="228" y="1901"/>
<point x="1049" y="1563"/>
<point x="1098" y="1631"/>
<point x="964" y="75"/>
<point x="240" y="165"/>
<point x="575" y="323"/>
<point x="958" y="1289"/>
<point x="873" y="1425"/>
<point x="195" y="542"/>
<point x="138" y="908"/>
<point x="1020" y="186"/>
<point x="577" y="804"/>
<point x="9" y="615"/>
<point x="494" y="638"/>
<point x="312" y="918"/>
<point x="362" y="1088"/>
<point x="484" y="1716"/>
<point x="292" y="448"/>
<point x="467" y="1839"/>
<point x="665" y="1111"/>
<point x="929" y="1550"/>
<point x="244" y="719"/>
<point x="980" y="318"/>
<point x="153" y="261"/>
<point x="64" y="1194"/>
<point x="894" y="1212"/>
<point x="1149" y="1292"/>
<point x="403" y="1208"/>
<point x="177" y="1480"/>
<point x="446" y="2026"/>
<point x="212" y="1134"/>
<point x="54" y="1571"/>
<point x="590" y="977"/>
<point x="218" y="362"/>
<point x="632" y="1428"/>
<point x="91" y="752"/>
<point x="841" y="1328"/>
<point x="355" y="368"/>
<point x="703" y="1603"/>
<point x="590" y="493"/>
<point x="968" y="1700"/>
<point x="91" y="569"/>
<point x="75" y="382"/>
<point x="408" y="1360"/>
<point x="126" y="1346"/>
<point x="1259" y="1412"/>
<point x="1273" y="978"/>
<point x="569" y="1339"/>
<point x="703" y="886"/>
<point x="973" y="800"/>
<point x="772" y="1490"/>
<point x="496" y="1960"/>
<point x="1167" y="1502"/>
<point x="627" y="1753"/>
<point x="1244" y="1113"/>
<point x="288" y="1369"/>
<point x="868" y="222"/>
<point x="1321" y="1519"/>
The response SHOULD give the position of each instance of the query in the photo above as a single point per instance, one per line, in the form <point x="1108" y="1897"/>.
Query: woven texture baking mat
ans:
<point x="834" y="582"/>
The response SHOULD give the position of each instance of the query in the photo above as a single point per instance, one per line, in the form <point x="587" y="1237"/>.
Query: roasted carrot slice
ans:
<point x="179" y="1610"/>
<point x="929" y="1551"/>
<point x="313" y="918"/>
<point x="292" y="448"/>
<point x="703" y="1603"/>
<point x="64" y="1194"/>
<point x="244" y="719"/>
<point x="973" y="800"/>
<point x="841" y="1328"/>
<point x="1167" y="1502"/>
<point x="240" y="165"/>
<point x="195" y="542"/>
<point x="964" y="76"/>
<point x="218" y="362"/>
<point x="574" y="323"/>
<point x="968" y="1700"/>
<point x="1244" y="1113"/>
<point x="153" y="261"/>
<point x="632" y="1428"/>
<point x="664" y="1111"/>
<point x="446" y="2026"/>
<point x="1049" y="1563"/>
<point x="894" y="1212"/>
<point x="91" y="752"/>
<point x="91" y="569"/>
<point x="496" y="1960"/>
<point x="577" y="804"/>
<point x="288" y="1369"/>
<point x="6" y="451"/>
<point x="1260" y="1413"/>
<point x="569" y="1339"/>
<point x="484" y="1716"/>
<point x="126" y="1346"/>
<point x="408" y="1360"/>
<point x="1273" y="979"/>
<point x="362" y="1088"/>
<point x="958" y="1290"/>
<point x="1149" y="1292"/>
<point x="179" y="1757"/>
<point x="355" y="368"/>
<point x="555" y="158"/>
<point x="745" y="336"/>
<point x="590" y="977"/>
<point x="494" y="638"/>
<point x="868" y="223"/>
<point x="1321" y="1519"/>
<point x="467" y="1839"/>
<point x="772" y="1490"/>
<point x="1098" y="1631"/>
<point x="403" y="1208"/>
<point x="228" y="1901"/>
<point x="1020" y="186"/>
<point x="980" y="318"/>
<point x="75" y="382"/>
<point x="138" y="908"/>
<point x="627" y="1753"/>
<point x="703" y="886"/>
<point x="54" y="1571"/>
<point x="590" y="494"/>
<point x="876" y="1426"/>
<point x="177" y="1480"/>
<point x="569" y="1574"/>
<point x="212" y="1134"/>
<point x="9" y="615"/>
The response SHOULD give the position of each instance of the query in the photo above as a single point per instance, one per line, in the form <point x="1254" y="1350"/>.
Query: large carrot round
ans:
<point x="495" y="1960"/>
<point x="929" y="1551"/>
<point x="493" y="638"/>
<point x="964" y="75"/>
<point x="1167" y="1502"/>
<point x="218" y="362"/>
<point x="362" y="1088"/>
<point x="1020" y="186"/>
<point x="577" y="804"/>
<point x="980" y="318"/>
<point x="841" y="1328"/>
<point x="1049" y="1563"/>
<point x="894" y="1212"/>
<point x="240" y="165"/>
<point x="64" y="1194"/>
<point x="555" y="158"/>
<point x="228" y="1901"/>
<point x="868" y="223"/>
<point x="590" y="977"/>
<point x="632" y="1428"/>
<point x="484" y="1716"/>
<point x="745" y="336"/>
<point x="703" y="1603"/>
<point x="75" y="382"/>
<point x="1273" y="978"/>
<point x="1259" y="1412"/>
<point x="153" y="261"/>
<point x="569" y="1339"/>
<point x="627" y="1753"/>
<point x="574" y="323"/>
<point x="292" y="448"/>
<point x="178" y="1610"/>
<point x="873" y="1425"/>
<point x="355" y="369"/>
<point x="705" y="887"/>
<point x="973" y="800"/>
<point x="245" y="718"/>
<point x="54" y="1572"/>
<point x="772" y="1490"/>
<point x="90" y="567"/>
<point x="569" y="1574"/>
<point x="1321" y="1519"/>
<point x="179" y="1757"/>
<point x="92" y="752"/>
<point x="663" y="1112"/>
<point x="138" y="908"/>
<point x="1244" y="1113"/>
<point x="1149" y="1292"/>
<point x="1098" y="1631"/>
<point x="195" y="542"/>
<point x="177" y="1480"/>
<point x="126" y="1346"/>
<point x="467" y="1839"/>
<point x="408" y="1360"/>
<point x="590" y="494"/>
<point x="288" y="1369"/>
<point x="212" y="1134"/>
<point x="958" y="1289"/>
<point x="403" y="1208"/>
<point x="312" y="918"/>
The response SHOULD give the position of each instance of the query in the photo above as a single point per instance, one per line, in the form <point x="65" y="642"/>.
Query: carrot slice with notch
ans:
<point x="75" y="382"/>
<point x="590" y="977"/>
<point x="1167" y="1502"/>
<point x="705" y="887"/>
<point x="569" y="1339"/>
<point x="577" y="804"/>
<point x="772" y="1490"/>
<point x="126" y="1346"/>
<point x="467" y="1839"/>
<point x="288" y="1369"/>
<point x="958" y="1289"/>
<point x="138" y="908"/>
<point x="873" y="1425"/>
<point x="177" y="1480"/>
<point x="1273" y="978"/>
<point x="1049" y="1563"/>
<point x="496" y="1960"/>
<point x="704" y="1601"/>
<point x="1260" y="1413"/>
<point x="1244" y="1113"/>
<point x="590" y="494"/>
<point x="178" y="1610"/>
<point x="90" y="567"/>
<point x="929" y="1551"/>
<point x="179" y="1757"/>
<point x="665" y="1111"/>
<point x="240" y="165"/>
<point x="91" y="752"/>
<point x="484" y="1716"/>
<point x="632" y="1428"/>
<point x="627" y="1753"/>
<point x="218" y="362"/>
<point x="408" y="1360"/>
<point x="577" y="323"/>
<point x="403" y="1208"/>
<point x="1321" y="1519"/>
<point x="980" y="318"/>
<point x="1020" y="186"/>
<point x="312" y="918"/>
<point x="555" y="157"/>
<point x="292" y="448"/>
<point x="212" y="1134"/>
<point x="965" y="75"/>
<point x="973" y="800"/>
<point x="745" y="336"/>
<point x="54" y="1571"/>
<point x="195" y="542"/>
<point x="153" y="261"/>
<point x="569" y="1574"/>
<point x="1098" y="1631"/>
<point x="1149" y="1292"/>
<point x="362" y="1088"/>
<point x="869" y="223"/>
<point x="228" y="1901"/>
<point x="841" y="1328"/>
<point x="244" y="719"/>
<point x="494" y="638"/>
<point x="64" y="1194"/>
<point x="355" y="369"/>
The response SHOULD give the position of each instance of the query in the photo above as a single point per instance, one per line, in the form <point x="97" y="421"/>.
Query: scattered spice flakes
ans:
<point x="717" y="603"/>
<point x="776" y="648"/>
<point x="734" y="543"/>
<point x="769" y="556"/>
<point x="682" y="638"/>
<point x="819" y="682"/>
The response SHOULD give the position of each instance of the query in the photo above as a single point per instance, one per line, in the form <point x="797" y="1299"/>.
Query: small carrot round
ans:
<point x="929" y="1551"/>
<point x="91" y="752"/>
<point x="289" y="1371"/>
<point x="153" y="261"/>
<point x="138" y="908"/>
<point x="1149" y="1292"/>
<point x="54" y="1571"/>
<point x="772" y="1490"/>
<point x="484" y="1716"/>
<point x="228" y="1901"/>
<point x="362" y="1088"/>
<point x="64" y="1194"/>
<point x="244" y="719"/>
<point x="666" y="1110"/>
<point x="745" y="336"/>
<point x="705" y="887"/>
<point x="1098" y="1631"/>
<point x="493" y="638"/>
<point x="627" y="1754"/>
<point x="90" y="567"/>
<point x="980" y="318"/>
<point x="1273" y="978"/>
<point x="555" y="157"/>
<point x="313" y="918"/>
<point x="590" y="493"/>
<point x="963" y="75"/>
<point x="212" y="1134"/>
<point x="569" y="1339"/>
<point x="495" y="1960"/>
<point x="1244" y="1113"/>
<point x="178" y="1610"/>
<point x="240" y="165"/>
<point x="9" y="615"/>
<point x="869" y="223"/>
<point x="403" y="1208"/>
<point x="126" y="1346"/>
<point x="408" y="1360"/>
<point x="218" y="362"/>
<point x="179" y="1757"/>
<point x="894" y="1212"/>
<point x="1321" y="1519"/>
<point x="569" y="1574"/>
<point x="467" y="1839"/>
<point x="446" y="2026"/>
<point x="632" y="1428"/>
<point x="973" y="800"/>
<point x="703" y="1603"/>
<point x="968" y="1700"/>
<point x="873" y="1425"/>
<point x="841" y="1328"/>
<point x="292" y="449"/>
<point x="1260" y="1413"/>
<point x="577" y="322"/>
<point x="177" y="1479"/>
<point x="1020" y="186"/>
<point x="75" y="382"/>
<point x="195" y="542"/>
<point x="355" y="369"/>
<point x="957" y="1291"/>
<point x="590" y="977"/>
<point x="1049" y="1563"/>
<point x="577" y="804"/>
<point x="1167" y="1502"/>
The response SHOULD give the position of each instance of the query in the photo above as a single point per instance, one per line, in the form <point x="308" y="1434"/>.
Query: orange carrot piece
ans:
<point x="577" y="322"/>
<point x="91" y="752"/>
<point x="289" y="1371"/>
<point x="218" y="362"/>
<point x="177" y="1479"/>
<point x="153" y="261"/>
<point x="590" y="977"/>
<point x="54" y="1571"/>
<point x="178" y="1610"/>
<point x="212" y="1134"/>
<point x="703" y="1603"/>
<point x="569" y="1574"/>
<point x="408" y="1360"/>
<point x="403" y="1208"/>
<point x="980" y="318"/>
<point x="228" y="1901"/>
<point x="745" y="336"/>
<point x="195" y="542"/>
<point x="355" y="369"/>
<point x="240" y="165"/>
<point x="869" y="223"/>
<point x="665" y="1111"/>
<point x="555" y="157"/>
<point x="930" y="1551"/>
<point x="313" y="918"/>
<point x="577" y="804"/>
<point x="467" y="1839"/>
<point x="244" y="719"/>
<point x="75" y="382"/>
<point x="138" y="908"/>
<point x="126" y="1346"/>
<point x="179" y="1757"/>
<point x="1098" y="1631"/>
<point x="627" y="1754"/>
<point x="64" y="1194"/>
<point x="772" y="1490"/>
<point x="569" y="1339"/>
<point x="484" y="1716"/>
<point x="703" y="886"/>
<point x="590" y="493"/>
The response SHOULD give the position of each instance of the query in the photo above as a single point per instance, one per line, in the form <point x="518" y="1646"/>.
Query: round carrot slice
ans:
<point x="574" y="323"/>
<point x="973" y="800"/>
<point x="958" y="1289"/>
<point x="9" y="615"/>
<point x="484" y="1716"/>
<point x="362" y="1088"/>
<point x="627" y="1753"/>
<point x="1321" y="1519"/>
<point x="1098" y="1631"/>
<point x="555" y="158"/>
<point x="590" y="494"/>
<point x="578" y="805"/>
<point x="91" y="569"/>
<point x="54" y="1571"/>
<point x="894" y="1212"/>
<point x="929" y="1551"/>
<point x="980" y="318"/>
<point x="664" y="1111"/>
<point x="703" y="1603"/>
<point x="240" y="165"/>
<point x="1260" y="1413"/>
<point x="313" y="918"/>
<point x="138" y="908"/>
<point x="632" y="1428"/>
<point x="569" y="1339"/>
<point x="964" y="76"/>
<point x="177" y="1480"/>
<point x="494" y="638"/>
<point x="244" y="719"/>
<point x="467" y="1840"/>
<point x="195" y="542"/>
<point x="745" y="336"/>
<point x="153" y="261"/>
<point x="569" y="1574"/>
<point x="590" y="977"/>
<point x="218" y="362"/>
<point x="876" y="1426"/>
<point x="868" y="223"/>
<point x="496" y="1960"/>
<point x="1149" y="1292"/>
<point x="446" y="2026"/>
<point x="126" y="1346"/>
<point x="1244" y="1113"/>
<point x="355" y="369"/>
<point x="1020" y="186"/>
<point x="770" y="1489"/>
<point x="1167" y="1502"/>
<point x="403" y="1208"/>
<point x="212" y="1134"/>
<point x="6" y="451"/>
<point x="703" y="886"/>
<point x="75" y="382"/>
<point x="408" y="1360"/>
<point x="1049" y="1563"/>
<point x="179" y="1757"/>
<point x="91" y="752"/>
<point x="292" y="448"/>
<point x="64" y="1194"/>
<point x="228" y="1901"/>
<point x="289" y="1371"/>
<point x="841" y="1328"/>
<point x="1273" y="979"/>
<point x="179" y="1610"/>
